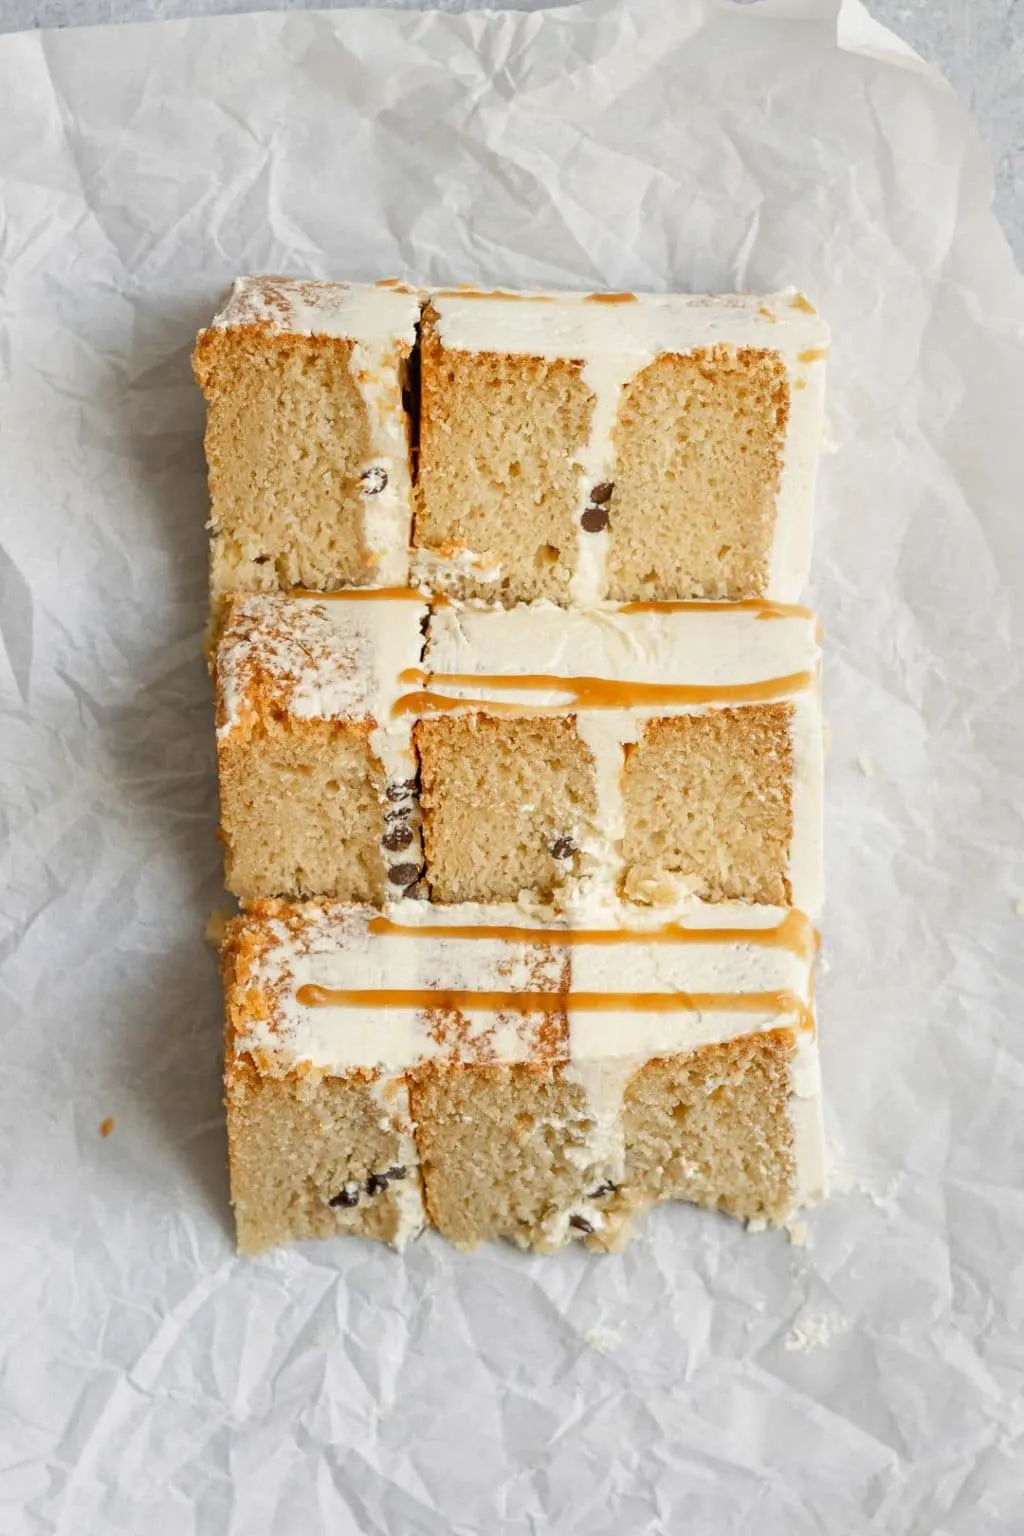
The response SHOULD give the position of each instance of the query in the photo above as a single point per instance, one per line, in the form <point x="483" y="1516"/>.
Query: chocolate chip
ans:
<point x="396" y="1173"/>
<point x="400" y="791"/>
<point x="602" y="493"/>
<point x="603" y="1190"/>
<point x="563" y="848"/>
<point x="594" y="520"/>
<point x="374" y="480"/>
<point x="348" y="1196"/>
<point x="376" y="1184"/>
<point x="404" y="874"/>
<point x="398" y="838"/>
<point x="581" y="1224"/>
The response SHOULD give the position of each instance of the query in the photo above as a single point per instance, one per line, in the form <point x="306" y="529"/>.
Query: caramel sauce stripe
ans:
<point x="584" y="692"/>
<point x="761" y="607"/>
<point x="427" y="999"/>
<point x="795" y="933"/>
<point x="362" y="595"/>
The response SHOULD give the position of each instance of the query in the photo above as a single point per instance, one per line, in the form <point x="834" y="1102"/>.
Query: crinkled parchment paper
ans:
<point x="709" y="1380"/>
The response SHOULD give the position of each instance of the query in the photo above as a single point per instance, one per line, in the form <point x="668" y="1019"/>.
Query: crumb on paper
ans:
<point x="799" y="1234"/>
<point x="216" y="924"/>
<point x="815" y="1330"/>
<point x="866" y="765"/>
<point x="1018" y="907"/>
<point x="756" y="1224"/>
<point x="844" y="1179"/>
<point x="107" y="1126"/>
<point x="604" y="1340"/>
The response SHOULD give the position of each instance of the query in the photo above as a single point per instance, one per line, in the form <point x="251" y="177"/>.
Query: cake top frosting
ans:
<point x="336" y="656"/>
<point x="330" y="987"/>
<point x="722" y="648"/>
<point x="642" y="325"/>
<point x="367" y="313"/>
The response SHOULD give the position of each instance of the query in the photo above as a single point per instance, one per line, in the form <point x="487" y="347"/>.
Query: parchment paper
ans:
<point x="708" y="1380"/>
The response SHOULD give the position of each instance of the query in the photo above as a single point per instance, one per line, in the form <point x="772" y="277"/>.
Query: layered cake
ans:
<point x="654" y="751"/>
<point x="308" y="434"/>
<point x="499" y="1078"/>
<point x="519" y="746"/>
<point x="582" y="447"/>
<point x="317" y="772"/>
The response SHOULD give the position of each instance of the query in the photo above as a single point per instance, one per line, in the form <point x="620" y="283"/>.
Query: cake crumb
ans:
<point x="1018" y="907"/>
<point x="106" y="1126"/>
<point x="830" y="444"/>
<point x="216" y="924"/>
<point x="815" y="1331"/>
<point x="866" y="765"/>
<point x="604" y="1340"/>
<point x="799" y="1234"/>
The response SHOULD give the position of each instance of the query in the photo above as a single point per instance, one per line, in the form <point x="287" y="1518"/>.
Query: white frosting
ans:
<point x="811" y="1177"/>
<point x="691" y="646"/>
<point x="392" y="1094"/>
<point x="715" y="645"/>
<point x="381" y="323"/>
<point x="331" y="945"/>
<point x="606" y="376"/>
<point x="616" y="341"/>
<point x="428" y="564"/>
<point x="387" y="514"/>
<point x="372" y="315"/>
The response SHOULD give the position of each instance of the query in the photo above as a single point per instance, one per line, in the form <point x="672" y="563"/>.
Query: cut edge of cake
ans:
<point x="593" y="353"/>
<point x="423" y="1028"/>
<point x="309" y="433"/>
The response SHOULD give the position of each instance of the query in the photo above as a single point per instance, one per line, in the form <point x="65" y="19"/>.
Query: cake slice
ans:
<point x="308" y="434"/>
<point x="654" y="751"/>
<point x="501" y="1079"/>
<point x="578" y="447"/>
<point x="317" y="775"/>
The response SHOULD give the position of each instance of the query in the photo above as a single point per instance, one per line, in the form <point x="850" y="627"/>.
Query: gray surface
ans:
<point x="978" y="45"/>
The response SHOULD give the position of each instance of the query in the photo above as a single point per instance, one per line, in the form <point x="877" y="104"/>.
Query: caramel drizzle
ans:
<point x="799" y="302"/>
<point x="759" y="606"/>
<point x="586" y="692"/>
<point x="796" y="933"/>
<point x="813" y="355"/>
<point x="362" y="595"/>
<point x="610" y="298"/>
<point x="427" y="999"/>
<point x="469" y="292"/>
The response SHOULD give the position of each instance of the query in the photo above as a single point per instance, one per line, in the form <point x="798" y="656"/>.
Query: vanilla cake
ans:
<point x="317" y="773"/>
<point x="654" y="751"/>
<point x="581" y="447"/>
<point x="308" y="434"/>
<point x="479" y="1072"/>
